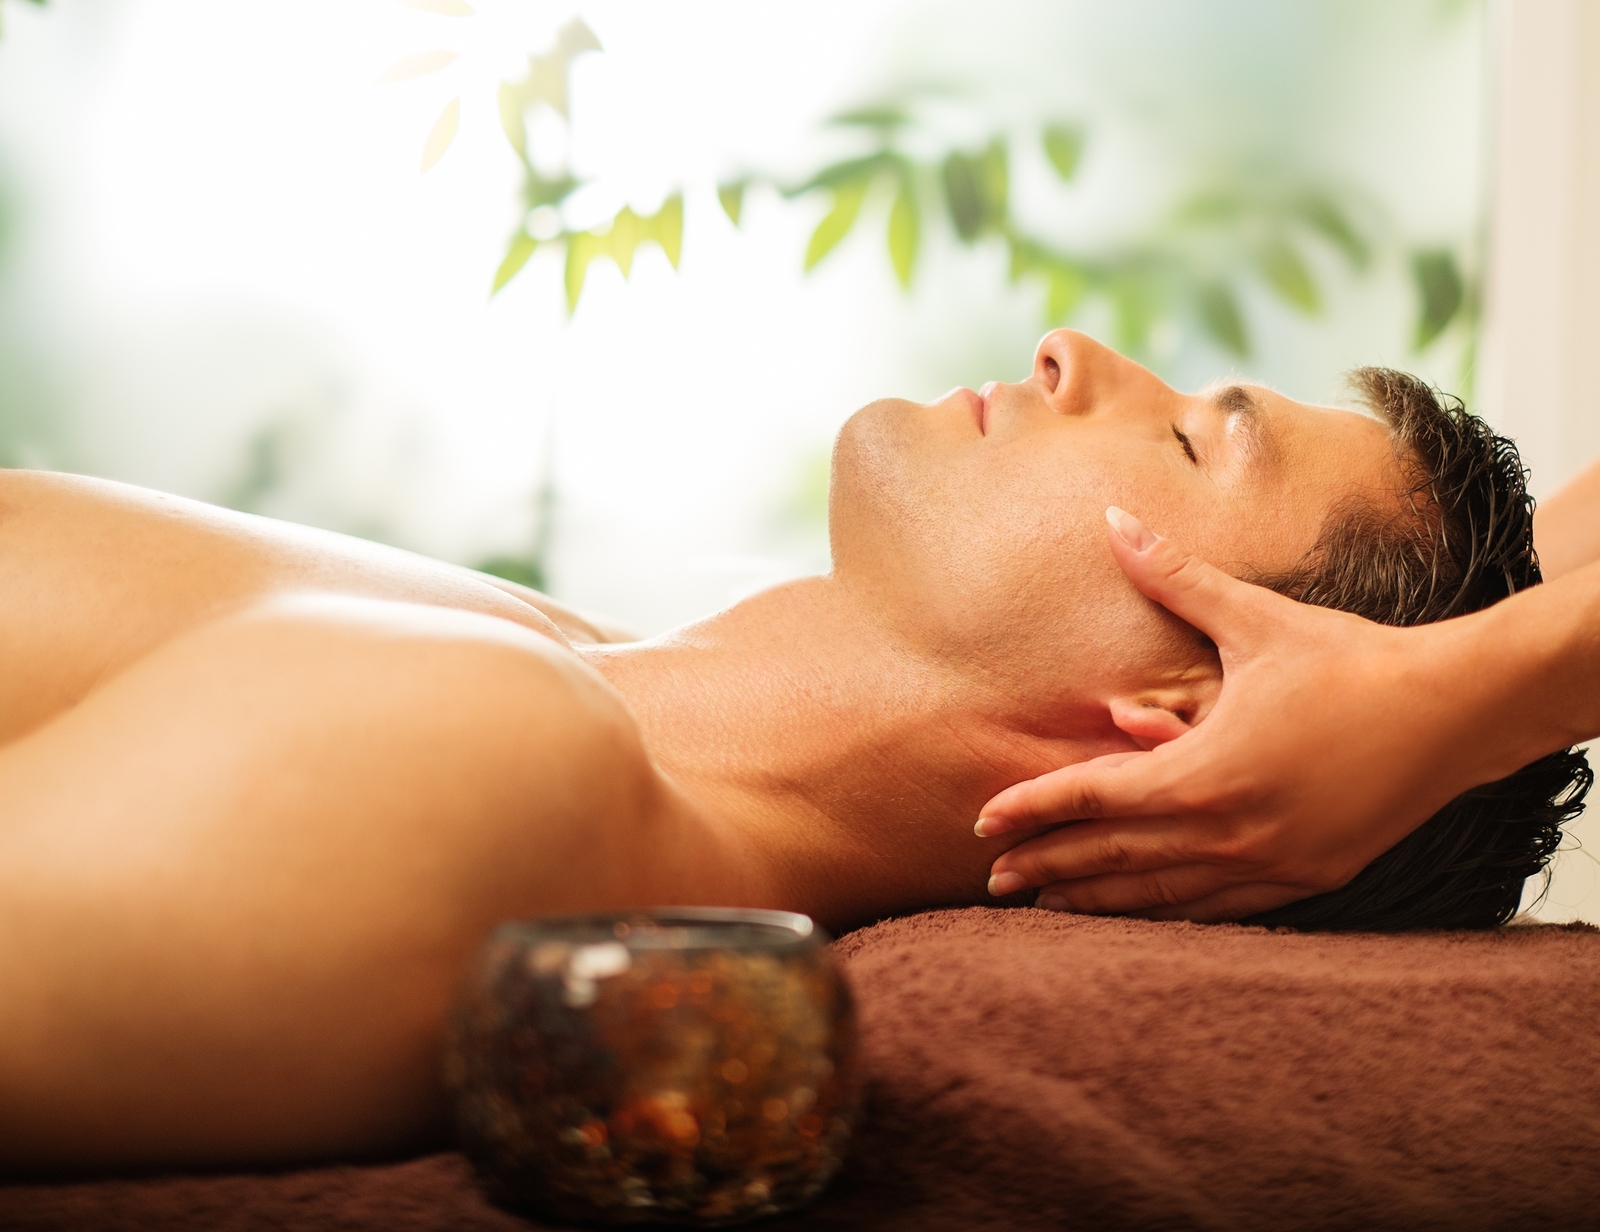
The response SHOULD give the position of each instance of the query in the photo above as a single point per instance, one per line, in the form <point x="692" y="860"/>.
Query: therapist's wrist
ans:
<point x="1506" y="672"/>
<point x="1444" y="734"/>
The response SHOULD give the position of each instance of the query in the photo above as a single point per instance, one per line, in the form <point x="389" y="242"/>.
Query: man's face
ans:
<point x="976" y="524"/>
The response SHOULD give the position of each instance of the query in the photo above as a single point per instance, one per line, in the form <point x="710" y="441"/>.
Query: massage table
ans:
<point x="1034" y="1070"/>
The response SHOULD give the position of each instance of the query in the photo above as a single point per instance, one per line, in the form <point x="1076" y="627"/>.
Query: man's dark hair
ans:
<point x="1461" y="541"/>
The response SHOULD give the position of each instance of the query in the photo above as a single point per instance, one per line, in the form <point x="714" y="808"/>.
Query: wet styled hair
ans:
<point x="1462" y="540"/>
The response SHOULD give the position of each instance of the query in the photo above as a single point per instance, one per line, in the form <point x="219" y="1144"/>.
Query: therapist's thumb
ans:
<point x="1220" y="606"/>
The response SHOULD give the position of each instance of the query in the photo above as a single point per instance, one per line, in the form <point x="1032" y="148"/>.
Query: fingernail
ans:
<point x="1130" y="530"/>
<point x="1002" y="884"/>
<point x="985" y="827"/>
<point x="1051" y="902"/>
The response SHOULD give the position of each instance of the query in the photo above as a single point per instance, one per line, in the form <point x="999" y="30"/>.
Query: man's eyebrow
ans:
<point x="1239" y="403"/>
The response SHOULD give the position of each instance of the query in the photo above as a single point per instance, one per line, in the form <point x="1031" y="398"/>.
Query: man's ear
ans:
<point x="1155" y="717"/>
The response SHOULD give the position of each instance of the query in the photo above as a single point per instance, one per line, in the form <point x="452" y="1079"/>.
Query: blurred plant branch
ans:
<point x="1191" y="266"/>
<point x="544" y="195"/>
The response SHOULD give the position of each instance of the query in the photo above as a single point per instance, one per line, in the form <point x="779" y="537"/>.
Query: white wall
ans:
<point x="1542" y="312"/>
<point x="1542" y="318"/>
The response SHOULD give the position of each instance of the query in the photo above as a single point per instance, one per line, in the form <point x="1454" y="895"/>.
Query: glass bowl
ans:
<point x="690" y="1065"/>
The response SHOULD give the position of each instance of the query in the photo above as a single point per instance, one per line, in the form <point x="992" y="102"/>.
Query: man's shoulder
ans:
<point x="472" y="694"/>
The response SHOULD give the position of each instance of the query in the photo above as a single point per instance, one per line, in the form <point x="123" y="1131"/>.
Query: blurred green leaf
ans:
<point x="732" y="198"/>
<point x="1134" y="305"/>
<point x="523" y="570"/>
<point x="963" y="195"/>
<point x="624" y="237"/>
<point x="1210" y="209"/>
<point x="976" y="189"/>
<point x="665" y="227"/>
<point x="549" y="73"/>
<point x="537" y="191"/>
<point x="886" y="116"/>
<point x="1027" y="256"/>
<point x="1068" y="286"/>
<point x="904" y="225"/>
<point x="1063" y="146"/>
<point x="836" y="224"/>
<point x="511" y="122"/>
<point x="1441" y="290"/>
<point x="269" y="459"/>
<point x="1066" y="280"/>
<point x="1221" y="318"/>
<point x="517" y="253"/>
<point x="441" y="134"/>
<point x="1024" y="257"/>
<point x="620" y="240"/>
<point x="996" y="181"/>
<point x="1286" y="272"/>
<point x="582" y="248"/>
<point x="848" y="172"/>
<point x="1323" y="214"/>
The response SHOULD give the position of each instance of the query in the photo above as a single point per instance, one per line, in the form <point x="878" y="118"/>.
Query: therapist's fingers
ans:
<point x="1188" y="892"/>
<point x="1124" y="845"/>
<point x="1236" y="902"/>
<point x="1116" y="785"/>
<point x="1220" y="606"/>
<point x="1124" y="893"/>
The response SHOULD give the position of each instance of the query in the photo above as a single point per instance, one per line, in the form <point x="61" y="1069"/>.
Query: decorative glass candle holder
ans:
<point x="687" y="1065"/>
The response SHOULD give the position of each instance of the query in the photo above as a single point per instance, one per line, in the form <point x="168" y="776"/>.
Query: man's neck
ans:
<point x="846" y="766"/>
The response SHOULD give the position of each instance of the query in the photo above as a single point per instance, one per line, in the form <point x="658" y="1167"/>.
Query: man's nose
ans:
<point x="1069" y="366"/>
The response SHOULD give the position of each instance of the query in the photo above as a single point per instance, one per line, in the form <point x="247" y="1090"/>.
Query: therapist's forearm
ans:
<point x="1535" y="661"/>
<point x="1566" y="527"/>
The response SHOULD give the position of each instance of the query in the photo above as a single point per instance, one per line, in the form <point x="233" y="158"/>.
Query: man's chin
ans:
<point x="879" y="457"/>
<point x="878" y="431"/>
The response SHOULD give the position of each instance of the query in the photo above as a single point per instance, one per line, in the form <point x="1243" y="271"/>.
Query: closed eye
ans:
<point x="1184" y="441"/>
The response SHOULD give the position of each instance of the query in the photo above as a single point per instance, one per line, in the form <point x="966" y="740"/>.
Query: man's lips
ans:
<point x="975" y="403"/>
<point x="984" y="391"/>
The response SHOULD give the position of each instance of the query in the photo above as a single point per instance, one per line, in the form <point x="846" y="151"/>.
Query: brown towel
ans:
<point x="1031" y="1070"/>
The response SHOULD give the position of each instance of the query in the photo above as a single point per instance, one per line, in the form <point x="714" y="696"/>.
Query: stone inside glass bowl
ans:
<point x="688" y="1065"/>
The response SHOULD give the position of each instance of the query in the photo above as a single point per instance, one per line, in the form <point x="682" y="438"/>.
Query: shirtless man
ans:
<point x="266" y="788"/>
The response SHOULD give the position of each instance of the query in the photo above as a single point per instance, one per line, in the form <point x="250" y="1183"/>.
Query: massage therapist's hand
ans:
<point x="1332" y="739"/>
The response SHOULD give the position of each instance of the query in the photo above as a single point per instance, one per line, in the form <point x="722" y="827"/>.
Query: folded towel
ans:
<point x="1031" y="1070"/>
